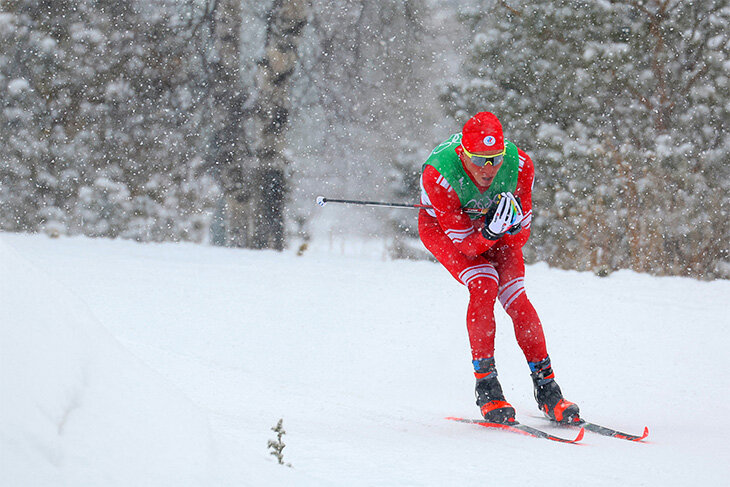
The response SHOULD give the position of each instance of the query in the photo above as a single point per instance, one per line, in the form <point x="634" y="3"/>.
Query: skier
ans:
<point x="478" y="168"/>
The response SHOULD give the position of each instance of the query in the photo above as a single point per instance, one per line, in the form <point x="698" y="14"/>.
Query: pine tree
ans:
<point x="623" y="107"/>
<point x="101" y="129"/>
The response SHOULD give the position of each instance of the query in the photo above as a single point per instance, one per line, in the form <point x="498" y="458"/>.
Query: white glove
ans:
<point x="500" y="218"/>
<point x="518" y="215"/>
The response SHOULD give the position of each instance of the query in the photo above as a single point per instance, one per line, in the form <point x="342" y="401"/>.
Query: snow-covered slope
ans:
<point x="128" y="364"/>
<point x="76" y="404"/>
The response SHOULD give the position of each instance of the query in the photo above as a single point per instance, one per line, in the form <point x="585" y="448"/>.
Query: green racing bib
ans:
<point x="447" y="162"/>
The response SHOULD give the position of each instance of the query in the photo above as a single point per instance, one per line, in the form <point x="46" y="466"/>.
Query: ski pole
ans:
<point x="321" y="201"/>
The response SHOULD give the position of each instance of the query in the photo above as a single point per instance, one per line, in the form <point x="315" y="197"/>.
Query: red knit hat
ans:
<point x="482" y="135"/>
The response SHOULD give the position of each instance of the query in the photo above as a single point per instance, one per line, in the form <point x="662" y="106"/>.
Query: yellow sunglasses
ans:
<point x="481" y="161"/>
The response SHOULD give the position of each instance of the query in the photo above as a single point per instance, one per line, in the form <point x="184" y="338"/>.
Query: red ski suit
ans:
<point x="491" y="269"/>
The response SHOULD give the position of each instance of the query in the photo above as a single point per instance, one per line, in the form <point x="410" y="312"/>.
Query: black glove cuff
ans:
<point x="486" y="233"/>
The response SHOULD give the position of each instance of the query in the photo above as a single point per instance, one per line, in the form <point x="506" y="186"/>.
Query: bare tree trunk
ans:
<point x="229" y="98"/>
<point x="286" y="20"/>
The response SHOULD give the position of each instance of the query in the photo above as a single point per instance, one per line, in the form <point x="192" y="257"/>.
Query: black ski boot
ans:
<point x="490" y="397"/>
<point x="548" y="395"/>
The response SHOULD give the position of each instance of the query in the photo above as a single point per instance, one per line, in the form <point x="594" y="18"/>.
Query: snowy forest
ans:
<point x="220" y="121"/>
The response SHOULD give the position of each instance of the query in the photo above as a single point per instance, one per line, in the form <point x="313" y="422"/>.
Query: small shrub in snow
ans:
<point x="277" y="446"/>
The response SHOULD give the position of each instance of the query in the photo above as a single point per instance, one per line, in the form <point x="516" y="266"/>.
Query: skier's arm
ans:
<point x="525" y="181"/>
<point x="457" y="225"/>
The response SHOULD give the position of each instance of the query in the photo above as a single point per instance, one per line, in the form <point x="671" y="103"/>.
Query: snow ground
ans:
<point x="167" y="364"/>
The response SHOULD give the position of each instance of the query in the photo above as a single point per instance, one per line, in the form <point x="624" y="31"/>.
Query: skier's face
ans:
<point x="482" y="175"/>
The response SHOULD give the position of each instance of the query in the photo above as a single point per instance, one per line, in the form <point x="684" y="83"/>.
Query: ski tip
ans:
<point x="625" y="436"/>
<point x="580" y="435"/>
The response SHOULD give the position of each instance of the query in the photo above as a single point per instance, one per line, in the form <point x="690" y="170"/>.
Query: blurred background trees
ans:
<point x="220" y="120"/>
<point x="623" y="105"/>
<point x="98" y="134"/>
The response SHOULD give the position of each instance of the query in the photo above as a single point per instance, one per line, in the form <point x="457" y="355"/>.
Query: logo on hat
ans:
<point x="489" y="141"/>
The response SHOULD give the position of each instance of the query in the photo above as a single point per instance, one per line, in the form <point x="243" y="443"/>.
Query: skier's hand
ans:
<point x="519" y="215"/>
<point x="500" y="217"/>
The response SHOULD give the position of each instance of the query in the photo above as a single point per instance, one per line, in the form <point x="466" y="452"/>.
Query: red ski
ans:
<point x="602" y="430"/>
<point x="523" y="429"/>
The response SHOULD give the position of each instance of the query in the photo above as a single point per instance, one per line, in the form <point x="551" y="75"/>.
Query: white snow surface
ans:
<point x="168" y="364"/>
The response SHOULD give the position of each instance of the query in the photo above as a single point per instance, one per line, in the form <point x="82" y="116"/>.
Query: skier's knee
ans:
<point x="512" y="291"/>
<point x="483" y="288"/>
